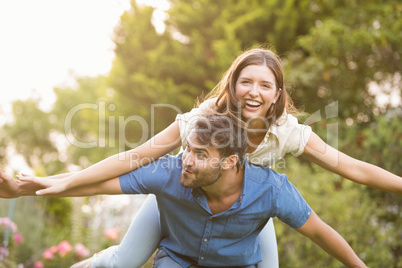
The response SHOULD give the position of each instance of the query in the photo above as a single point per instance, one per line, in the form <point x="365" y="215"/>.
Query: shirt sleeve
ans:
<point x="149" y="179"/>
<point x="292" y="136"/>
<point x="291" y="208"/>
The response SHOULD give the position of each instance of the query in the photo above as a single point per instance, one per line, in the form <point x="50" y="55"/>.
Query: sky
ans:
<point x="46" y="43"/>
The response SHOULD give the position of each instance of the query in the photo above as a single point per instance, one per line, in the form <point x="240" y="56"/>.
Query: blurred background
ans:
<point x="73" y="73"/>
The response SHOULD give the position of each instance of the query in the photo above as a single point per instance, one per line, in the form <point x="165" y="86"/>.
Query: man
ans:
<point x="213" y="204"/>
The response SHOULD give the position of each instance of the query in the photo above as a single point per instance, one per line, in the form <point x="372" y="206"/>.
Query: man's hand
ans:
<point x="8" y="186"/>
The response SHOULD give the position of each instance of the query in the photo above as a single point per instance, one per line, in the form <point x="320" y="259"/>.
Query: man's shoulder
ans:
<point x="264" y="175"/>
<point x="153" y="177"/>
<point x="162" y="165"/>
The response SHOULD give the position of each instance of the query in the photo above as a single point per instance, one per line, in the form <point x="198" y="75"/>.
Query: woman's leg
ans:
<point x="139" y="243"/>
<point x="269" y="248"/>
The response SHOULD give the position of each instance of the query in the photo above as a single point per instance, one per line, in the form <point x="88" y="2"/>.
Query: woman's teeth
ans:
<point x="253" y="103"/>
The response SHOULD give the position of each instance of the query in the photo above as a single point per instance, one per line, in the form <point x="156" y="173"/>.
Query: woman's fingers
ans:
<point x="37" y="180"/>
<point x="25" y="177"/>
<point x="50" y="190"/>
<point x="41" y="192"/>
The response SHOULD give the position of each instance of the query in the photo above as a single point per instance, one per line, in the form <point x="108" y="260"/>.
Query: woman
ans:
<point x="253" y="94"/>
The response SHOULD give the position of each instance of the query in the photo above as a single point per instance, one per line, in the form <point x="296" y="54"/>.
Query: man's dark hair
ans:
<point x="220" y="132"/>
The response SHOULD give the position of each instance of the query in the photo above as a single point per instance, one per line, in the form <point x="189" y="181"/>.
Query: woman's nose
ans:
<point x="253" y="90"/>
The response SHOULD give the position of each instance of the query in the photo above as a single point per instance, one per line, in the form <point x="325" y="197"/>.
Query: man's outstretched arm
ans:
<point x="330" y="241"/>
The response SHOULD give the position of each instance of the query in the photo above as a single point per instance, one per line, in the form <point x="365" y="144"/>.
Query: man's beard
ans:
<point x="198" y="179"/>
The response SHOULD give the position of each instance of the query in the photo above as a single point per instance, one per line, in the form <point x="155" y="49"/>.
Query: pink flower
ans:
<point x="14" y="227"/>
<point x="64" y="248"/>
<point x="81" y="251"/>
<point x="38" y="264"/>
<point x="112" y="234"/>
<point x="7" y="222"/>
<point x="3" y="251"/>
<point x="48" y="254"/>
<point x="53" y="249"/>
<point x="18" y="238"/>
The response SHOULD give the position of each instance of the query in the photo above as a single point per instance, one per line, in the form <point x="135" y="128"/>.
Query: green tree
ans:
<point x="344" y="53"/>
<point x="82" y="114"/>
<point x="31" y="137"/>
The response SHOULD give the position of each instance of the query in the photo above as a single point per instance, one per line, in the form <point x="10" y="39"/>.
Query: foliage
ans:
<point x="346" y="207"/>
<point x="343" y="53"/>
<point x="31" y="137"/>
<point x="385" y="129"/>
<point x="8" y="233"/>
<point x="82" y="114"/>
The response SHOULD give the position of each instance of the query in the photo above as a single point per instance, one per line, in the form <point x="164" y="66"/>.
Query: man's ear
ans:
<point x="230" y="162"/>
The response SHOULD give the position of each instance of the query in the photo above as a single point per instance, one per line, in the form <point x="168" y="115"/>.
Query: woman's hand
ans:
<point x="60" y="188"/>
<point x="46" y="185"/>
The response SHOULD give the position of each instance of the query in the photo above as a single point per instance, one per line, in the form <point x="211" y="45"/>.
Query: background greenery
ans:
<point x="332" y="51"/>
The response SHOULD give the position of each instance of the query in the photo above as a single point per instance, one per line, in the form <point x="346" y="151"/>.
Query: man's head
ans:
<point x="214" y="145"/>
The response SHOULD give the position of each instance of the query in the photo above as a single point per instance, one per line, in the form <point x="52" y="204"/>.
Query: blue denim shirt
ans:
<point x="192" y="235"/>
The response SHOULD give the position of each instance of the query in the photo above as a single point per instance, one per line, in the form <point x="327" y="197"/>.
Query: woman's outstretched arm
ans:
<point x="11" y="188"/>
<point x="324" y="155"/>
<point x="116" y="165"/>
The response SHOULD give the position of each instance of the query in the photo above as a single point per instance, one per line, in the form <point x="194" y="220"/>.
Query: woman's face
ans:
<point x="256" y="91"/>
